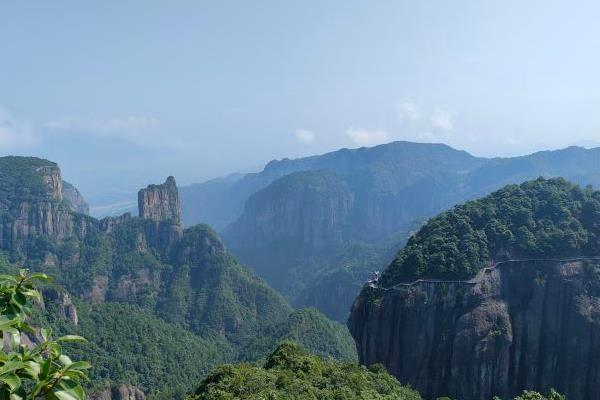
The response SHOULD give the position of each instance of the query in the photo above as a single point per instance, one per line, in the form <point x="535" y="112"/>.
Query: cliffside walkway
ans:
<point x="471" y="282"/>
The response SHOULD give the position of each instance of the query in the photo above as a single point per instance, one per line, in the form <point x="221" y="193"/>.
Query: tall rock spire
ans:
<point x="160" y="202"/>
<point x="160" y="206"/>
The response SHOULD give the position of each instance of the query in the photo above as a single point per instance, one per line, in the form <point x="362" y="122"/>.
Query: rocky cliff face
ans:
<point x="306" y="209"/>
<point x="120" y="392"/>
<point x="300" y="216"/>
<point x="31" y="204"/>
<point x="159" y="205"/>
<point x="74" y="199"/>
<point x="530" y="324"/>
<point x="160" y="202"/>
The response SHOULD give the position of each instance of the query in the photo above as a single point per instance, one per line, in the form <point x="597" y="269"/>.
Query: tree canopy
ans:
<point x="543" y="218"/>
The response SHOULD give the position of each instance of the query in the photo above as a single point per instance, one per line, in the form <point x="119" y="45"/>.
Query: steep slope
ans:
<point x="74" y="199"/>
<point x="477" y="323"/>
<point x="299" y="217"/>
<point x="387" y="191"/>
<point x="183" y="278"/>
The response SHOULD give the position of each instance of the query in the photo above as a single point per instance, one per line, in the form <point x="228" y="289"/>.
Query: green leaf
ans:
<point x="11" y="380"/>
<point x="40" y="277"/>
<point x="71" y="338"/>
<point x="54" y="348"/>
<point x="15" y="396"/>
<point x="19" y="298"/>
<point x="45" y="370"/>
<point x="11" y="366"/>
<point x="80" y="365"/>
<point x="6" y="322"/>
<point x="45" y="333"/>
<point x="65" y="360"/>
<point x="69" y="394"/>
<point x="33" y="368"/>
<point x="15" y="339"/>
<point x="8" y="278"/>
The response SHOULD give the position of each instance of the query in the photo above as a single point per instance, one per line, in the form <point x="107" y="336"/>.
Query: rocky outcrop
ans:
<point x="306" y="209"/>
<point x="67" y="310"/>
<point x="61" y="301"/>
<point x="50" y="175"/>
<point x="36" y="209"/>
<point x="109" y="223"/>
<point x="159" y="205"/>
<point x="160" y="202"/>
<point x="523" y="324"/>
<point x="120" y="392"/>
<point x="74" y="199"/>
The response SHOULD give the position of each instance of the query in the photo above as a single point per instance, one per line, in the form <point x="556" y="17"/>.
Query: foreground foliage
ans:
<point x="544" y="218"/>
<point x="291" y="373"/>
<point x="40" y="370"/>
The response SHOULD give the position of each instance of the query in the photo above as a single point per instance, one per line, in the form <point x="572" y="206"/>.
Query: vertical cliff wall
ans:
<point x="31" y="203"/>
<point x="160" y="202"/>
<point x="530" y="324"/>
<point x="160" y="206"/>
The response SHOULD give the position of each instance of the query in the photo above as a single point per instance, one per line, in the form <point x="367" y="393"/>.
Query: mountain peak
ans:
<point x="160" y="202"/>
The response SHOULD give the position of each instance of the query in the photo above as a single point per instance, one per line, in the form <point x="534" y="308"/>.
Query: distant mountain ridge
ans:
<point x="220" y="201"/>
<point x="295" y="231"/>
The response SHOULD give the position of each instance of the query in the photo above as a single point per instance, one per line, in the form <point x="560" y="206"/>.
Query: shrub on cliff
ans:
<point x="530" y="395"/>
<point x="291" y="373"/>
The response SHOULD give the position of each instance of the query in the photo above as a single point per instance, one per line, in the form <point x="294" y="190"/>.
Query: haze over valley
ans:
<point x="311" y="201"/>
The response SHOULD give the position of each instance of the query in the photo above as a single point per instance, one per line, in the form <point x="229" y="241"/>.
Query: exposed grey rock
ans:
<point x="522" y="325"/>
<point x="120" y="392"/>
<point x="160" y="202"/>
<point x="159" y="205"/>
<point x="107" y="224"/>
<point x="60" y="299"/>
<point x="41" y="215"/>
<point x="74" y="199"/>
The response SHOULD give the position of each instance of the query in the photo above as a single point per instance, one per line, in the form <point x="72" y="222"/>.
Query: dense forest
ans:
<point x="544" y="218"/>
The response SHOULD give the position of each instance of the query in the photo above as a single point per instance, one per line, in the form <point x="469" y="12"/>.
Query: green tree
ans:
<point x="36" y="370"/>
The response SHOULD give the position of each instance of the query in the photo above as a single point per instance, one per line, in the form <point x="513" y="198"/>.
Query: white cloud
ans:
<point x="139" y="130"/>
<point x="116" y="126"/>
<point x="13" y="133"/>
<point x="364" y="137"/>
<point x="305" y="136"/>
<point x="408" y="111"/>
<point x="442" y="121"/>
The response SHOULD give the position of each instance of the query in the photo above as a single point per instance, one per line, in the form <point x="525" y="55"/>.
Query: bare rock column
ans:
<point x="161" y="207"/>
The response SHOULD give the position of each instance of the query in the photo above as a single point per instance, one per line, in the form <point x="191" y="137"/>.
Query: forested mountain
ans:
<point x="493" y="296"/>
<point x="132" y="283"/>
<point x="291" y="373"/>
<point x="297" y="221"/>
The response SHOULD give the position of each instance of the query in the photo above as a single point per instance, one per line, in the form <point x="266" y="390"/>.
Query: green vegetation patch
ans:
<point x="543" y="218"/>
<point x="291" y="373"/>
<point x="127" y="344"/>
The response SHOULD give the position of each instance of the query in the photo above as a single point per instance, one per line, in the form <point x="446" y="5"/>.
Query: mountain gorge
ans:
<point x="133" y="283"/>
<point x="322" y="224"/>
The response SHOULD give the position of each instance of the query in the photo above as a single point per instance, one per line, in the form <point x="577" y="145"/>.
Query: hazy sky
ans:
<point x="122" y="93"/>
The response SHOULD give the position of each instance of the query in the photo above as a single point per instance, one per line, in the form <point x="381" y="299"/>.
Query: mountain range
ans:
<point x="321" y="225"/>
<point x="160" y="304"/>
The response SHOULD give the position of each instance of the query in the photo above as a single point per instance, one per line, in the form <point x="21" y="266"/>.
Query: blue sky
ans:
<point x="123" y="93"/>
